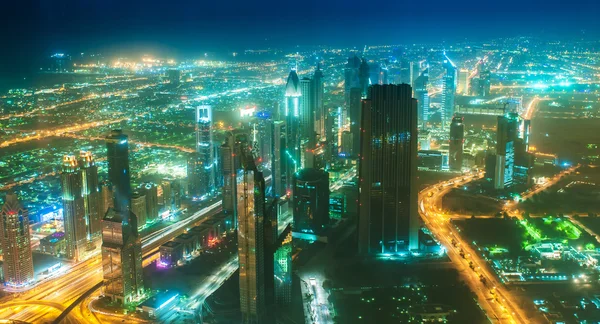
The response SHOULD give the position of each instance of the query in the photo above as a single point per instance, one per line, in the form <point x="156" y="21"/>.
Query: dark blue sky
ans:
<point x="189" y="27"/>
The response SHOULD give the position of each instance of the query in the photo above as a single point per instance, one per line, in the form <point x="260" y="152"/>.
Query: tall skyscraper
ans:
<point x="506" y="134"/>
<point x="311" y="200"/>
<point x="422" y="96"/>
<point x="354" y="113"/>
<point x="106" y="199"/>
<point x="463" y="82"/>
<point x="204" y="166"/>
<point x="292" y="116"/>
<point x="92" y="198"/>
<point x="138" y="208"/>
<point x="283" y="268"/>
<point x="16" y="243"/>
<point x="363" y="77"/>
<point x="73" y="209"/>
<point x="485" y="83"/>
<point x="121" y="244"/>
<point x="319" y="106"/>
<point x="448" y="91"/>
<point x="251" y="249"/>
<point x="279" y="159"/>
<point x="351" y="77"/>
<point x="236" y="141"/>
<point x="388" y="218"/>
<point x="307" y="111"/>
<point x="457" y="136"/>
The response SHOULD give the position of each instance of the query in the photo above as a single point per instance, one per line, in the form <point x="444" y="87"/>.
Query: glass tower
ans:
<point x="16" y="243"/>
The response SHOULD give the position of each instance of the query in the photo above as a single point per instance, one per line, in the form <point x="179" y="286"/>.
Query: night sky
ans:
<point x="182" y="28"/>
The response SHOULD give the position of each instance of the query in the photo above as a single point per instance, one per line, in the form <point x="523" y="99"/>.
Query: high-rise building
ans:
<point x="484" y="83"/>
<point x="106" y="198"/>
<point x="74" y="208"/>
<point x="279" y="160"/>
<point x="351" y="77"/>
<point x="167" y="194"/>
<point x="506" y="134"/>
<point x="150" y="191"/>
<point x="194" y="175"/>
<point x="174" y="76"/>
<point x="283" y="268"/>
<point x="292" y="115"/>
<point x="422" y="96"/>
<point x="138" y="207"/>
<point x="16" y="243"/>
<point x="354" y="114"/>
<point x="388" y="217"/>
<point x="457" y="137"/>
<point x="319" y="106"/>
<point x="205" y="165"/>
<point x="307" y="111"/>
<point x="251" y="249"/>
<point x="311" y="200"/>
<point x="236" y="141"/>
<point x="463" y="82"/>
<point x="448" y="91"/>
<point x="363" y="77"/>
<point x="121" y="244"/>
<point x="92" y="198"/>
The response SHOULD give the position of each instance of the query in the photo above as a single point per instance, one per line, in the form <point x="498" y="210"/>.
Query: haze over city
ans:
<point x="323" y="162"/>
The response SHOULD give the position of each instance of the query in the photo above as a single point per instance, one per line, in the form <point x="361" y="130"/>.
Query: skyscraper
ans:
<point x="448" y="90"/>
<point x="506" y="134"/>
<point x="463" y="82"/>
<point x="150" y="191"/>
<point x="457" y="136"/>
<point x="422" y="96"/>
<point x="351" y="77"/>
<point x="292" y="115"/>
<point x="388" y="218"/>
<point x="205" y="165"/>
<point x="363" y="77"/>
<point x="307" y="111"/>
<point x="279" y="159"/>
<point x="138" y="208"/>
<point x="236" y="141"/>
<point x="92" y="198"/>
<point x="485" y="83"/>
<point x="121" y="244"/>
<point x="354" y="113"/>
<point x="319" y="106"/>
<point x="73" y="209"/>
<point x="16" y="243"/>
<point x="311" y="200"/>
<point x="251" y="249"/>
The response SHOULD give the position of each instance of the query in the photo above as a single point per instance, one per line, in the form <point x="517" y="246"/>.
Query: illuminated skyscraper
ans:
<point x="121" y="244"/>
<point x="319" y="106"/>
<point x="311" y="200"/>
<point x="236" y="141"/>
<point x="422" y="96"/>
<point x="448" y="91"/>
<point x="292" y="116"/>
<point x="457" y="136"/>
<point x="506" y="135"/>
<point x="307" y="111"/>
<point x="283" y="268"/>
<point x="485" y="83"/>
<point x="388" y="218"/>
<point x="73" y="209"/>
<point x="279" y="160"/>
<point x="363" y="77"/>
<point x="16" y="243"/>
<point x="351" y="77"/>
<point x="205" y="163"/>
<point x="92" y="198"/>
<point x="354" y="113"/>
<point x="251" y="249"/>
<point x="463" y="82"/>
<point x="106" y="198"/>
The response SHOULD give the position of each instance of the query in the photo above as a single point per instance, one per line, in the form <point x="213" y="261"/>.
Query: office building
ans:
<point x="106" y="198"/>
<point x="506" y="134"/>
<point x="354" y="114"/>
<point x="251" y="249"/>
<point x="174" y="76"/>
<point x="457" y="137"/>
<point x="388" y="217"/>
<point x="167" y="194"/>
<point x="292" y="117"/>
<point x="283" y="268"/>
<point x="363" y="77"/>
<point x="150" y="191"/>
<point x="463" y="82"/>
<point x="319" y="105"/>
<point x="92" y="199"/>
<point x="231" y="164"/>
<point x="121" y="244"/>
<point x="448" y="91"/>
<point x="307" y="111"/>
<point x="73" y="209"/>
<point x="17" y="263"/>
<point x="422" y="96"/>
<point x="351" y="80"/>
<point x="204" y="166"/>
<point x="484" y="83"/>
<point x="311" y="201"/>
<point x="279" y="160"/>
<point x="138" y="207"/>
